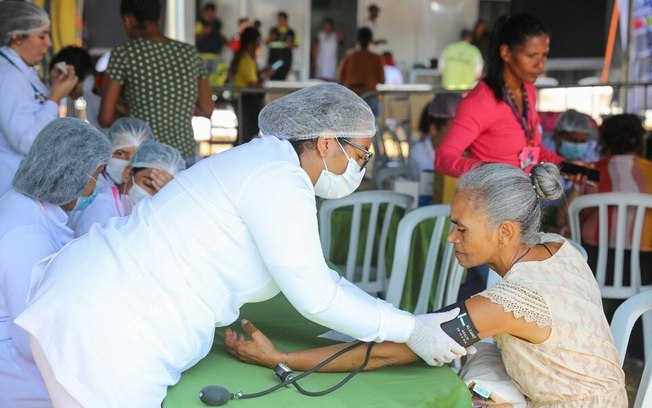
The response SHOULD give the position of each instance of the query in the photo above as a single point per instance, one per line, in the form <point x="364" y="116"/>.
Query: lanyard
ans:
<point x="521" y="118"/>
<point x="38" y="95"/>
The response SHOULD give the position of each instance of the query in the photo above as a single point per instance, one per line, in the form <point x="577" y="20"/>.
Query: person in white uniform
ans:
<point x="440" y="114"/>
<point x="119" y="313"/>
<point x="152" y="167"/>
<point x="27" y="104"/>
<point x="125" y="135"/>
<point x="57" y="176"/>
<point x="325" y="47"/>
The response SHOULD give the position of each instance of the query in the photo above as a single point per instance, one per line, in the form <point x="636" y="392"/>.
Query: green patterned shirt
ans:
<point x="159" y="80"/>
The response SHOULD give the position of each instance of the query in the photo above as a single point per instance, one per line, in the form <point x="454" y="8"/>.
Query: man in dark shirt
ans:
<point x="281" y="41"/>
<point x="208" y="36"/>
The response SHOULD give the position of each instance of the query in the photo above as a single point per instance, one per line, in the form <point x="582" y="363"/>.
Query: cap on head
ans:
<point x="573" y="121"/>
<point x="60" y="162"/>
<point x="20" y="17"/>
<point x="324" y="110"/>
<point x="155" y="155"/>
<point x="129" y="132"/>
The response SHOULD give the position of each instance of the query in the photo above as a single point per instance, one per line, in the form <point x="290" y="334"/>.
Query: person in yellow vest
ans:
<point x="281" y="41"/>
<point x="461" y="63"/>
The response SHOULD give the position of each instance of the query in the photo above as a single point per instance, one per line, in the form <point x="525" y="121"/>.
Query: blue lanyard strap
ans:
<point x="38" y="95"/>
<point x="521" y="118"/>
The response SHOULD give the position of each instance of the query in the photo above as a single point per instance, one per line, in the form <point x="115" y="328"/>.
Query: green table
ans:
<point x="415" y="385"/>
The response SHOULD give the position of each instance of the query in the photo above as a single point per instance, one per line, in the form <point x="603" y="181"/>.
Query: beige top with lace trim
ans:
<point x="578" y="365"/>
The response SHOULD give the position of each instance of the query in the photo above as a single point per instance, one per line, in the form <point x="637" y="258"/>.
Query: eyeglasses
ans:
<point x="367" y="154"/>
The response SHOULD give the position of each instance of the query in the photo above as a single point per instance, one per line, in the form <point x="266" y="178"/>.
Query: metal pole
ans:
<point x="625" y="67"/>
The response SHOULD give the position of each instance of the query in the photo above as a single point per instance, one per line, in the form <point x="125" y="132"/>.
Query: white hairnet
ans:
<point x="573" y="121"/>
<point x="20" y="17"/>
<point x="155" y="155"/>
<point x="61" y="161"/>
<point x="324" y="110"/>
<point x="129" y="132"/>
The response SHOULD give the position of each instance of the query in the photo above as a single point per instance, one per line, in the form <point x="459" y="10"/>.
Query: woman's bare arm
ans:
<point x="204" y="106"/>
<point x="109" y="105"/>
<point x="260" y="350"/>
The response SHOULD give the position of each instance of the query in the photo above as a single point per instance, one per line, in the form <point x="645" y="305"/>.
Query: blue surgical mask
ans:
<point x="572" y="151"/>
<point x="84" y="201"/>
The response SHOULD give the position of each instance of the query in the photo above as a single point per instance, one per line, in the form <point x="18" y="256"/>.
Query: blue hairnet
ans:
<point x="155" y="155"/>
<point x="573" y="121"/>
<point x="324" y="110"/>
<point x="20" y="17"/>
<point x="129" y="132"/>
<point x="61" y="161"/>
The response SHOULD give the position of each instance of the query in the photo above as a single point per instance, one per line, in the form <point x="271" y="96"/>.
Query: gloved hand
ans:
<point x="430" y="342"/>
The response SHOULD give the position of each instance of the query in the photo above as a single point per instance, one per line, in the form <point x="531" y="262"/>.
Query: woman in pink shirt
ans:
<point x="497" y="121"/>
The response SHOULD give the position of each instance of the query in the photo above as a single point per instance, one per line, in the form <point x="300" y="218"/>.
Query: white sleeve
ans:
<point x="20" y="250"/>
<point x="278" y="206"/>
<point x="19" y="121"/>
<point x="101" y="210"/>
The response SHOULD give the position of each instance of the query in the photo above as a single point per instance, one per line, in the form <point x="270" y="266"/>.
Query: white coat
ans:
<point x="30" y="230"/>
<point x="123" y="310"/>
<point x="24" y="111"/>
<point x="422" y="157"/>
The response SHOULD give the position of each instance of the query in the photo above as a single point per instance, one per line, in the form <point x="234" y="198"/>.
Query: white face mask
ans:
<point x="137" y="193"/>
<point x="330" y="185"/>
<point x="115" y="168"/>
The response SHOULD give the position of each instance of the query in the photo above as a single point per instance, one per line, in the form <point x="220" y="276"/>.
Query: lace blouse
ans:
<point x="578" y="365"/>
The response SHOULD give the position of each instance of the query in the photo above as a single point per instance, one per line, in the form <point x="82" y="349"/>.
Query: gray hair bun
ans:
<point x="545" y="180"/>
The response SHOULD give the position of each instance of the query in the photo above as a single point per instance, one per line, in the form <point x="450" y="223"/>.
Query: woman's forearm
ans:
<point x="382" y="354"/>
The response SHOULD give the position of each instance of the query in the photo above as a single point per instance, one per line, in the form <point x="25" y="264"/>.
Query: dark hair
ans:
<point x="330" y="21"/>
<point x="141" y="10"/>
<point x="250" y="35"/>
<point x="75" y="56"/>
<point x="209" y="6"/>
<point x="301" y="145"/>
<point x="282" y="14"/>
<point x="510" y="31"/>
<point x="440" y="122"/>
<point x="365" y="35"/>
<point x="621" y="134"/>
<point x="424" y="119"/>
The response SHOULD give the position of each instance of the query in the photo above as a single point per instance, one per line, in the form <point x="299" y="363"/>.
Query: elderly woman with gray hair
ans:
<point x="545" y="315"/>
<point x="58" y="176"/>
<point x="120" y="312"/>
<point x="27" y="104"/>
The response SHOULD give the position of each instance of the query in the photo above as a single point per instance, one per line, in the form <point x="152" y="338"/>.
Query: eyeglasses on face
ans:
<point x="367" y="154"/>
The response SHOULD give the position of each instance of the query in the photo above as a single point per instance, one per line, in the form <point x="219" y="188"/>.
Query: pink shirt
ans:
<point x="488" y="130"/>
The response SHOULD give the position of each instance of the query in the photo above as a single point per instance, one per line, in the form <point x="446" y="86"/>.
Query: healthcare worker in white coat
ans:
<point x="26" y="103"/>
<point x="125" y="135"/>
<point x="118" y="314"/>
<point x="57" y="176"/>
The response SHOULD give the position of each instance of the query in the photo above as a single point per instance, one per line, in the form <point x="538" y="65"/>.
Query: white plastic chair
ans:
<point x="450" y="271"/>
<point x="369" y="277"/>
<point x="621" y="327"/>
<point x="630" y="211"/>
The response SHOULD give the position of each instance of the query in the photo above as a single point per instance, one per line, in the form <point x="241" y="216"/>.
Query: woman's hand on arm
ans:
<point x="260" y="350"/>
<point x="204" y="106"/>
<point x="108" y="107"/>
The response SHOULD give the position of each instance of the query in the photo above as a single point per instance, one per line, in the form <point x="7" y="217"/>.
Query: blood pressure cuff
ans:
<point x="461" y="329"/>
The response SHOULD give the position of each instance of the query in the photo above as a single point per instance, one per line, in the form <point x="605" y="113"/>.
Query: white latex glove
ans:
<point x="430" y="342"/>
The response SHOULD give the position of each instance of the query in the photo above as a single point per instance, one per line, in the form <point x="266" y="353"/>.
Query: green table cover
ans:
<point x="415" y="385"/>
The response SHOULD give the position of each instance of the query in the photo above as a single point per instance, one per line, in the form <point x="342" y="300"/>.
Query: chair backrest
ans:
<point x="621" y="327"/>
<point x="440" y="256"/>
<point x="627" y="210"/>
<point x="389" y="174"/>
<point x="373" y="211"/>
